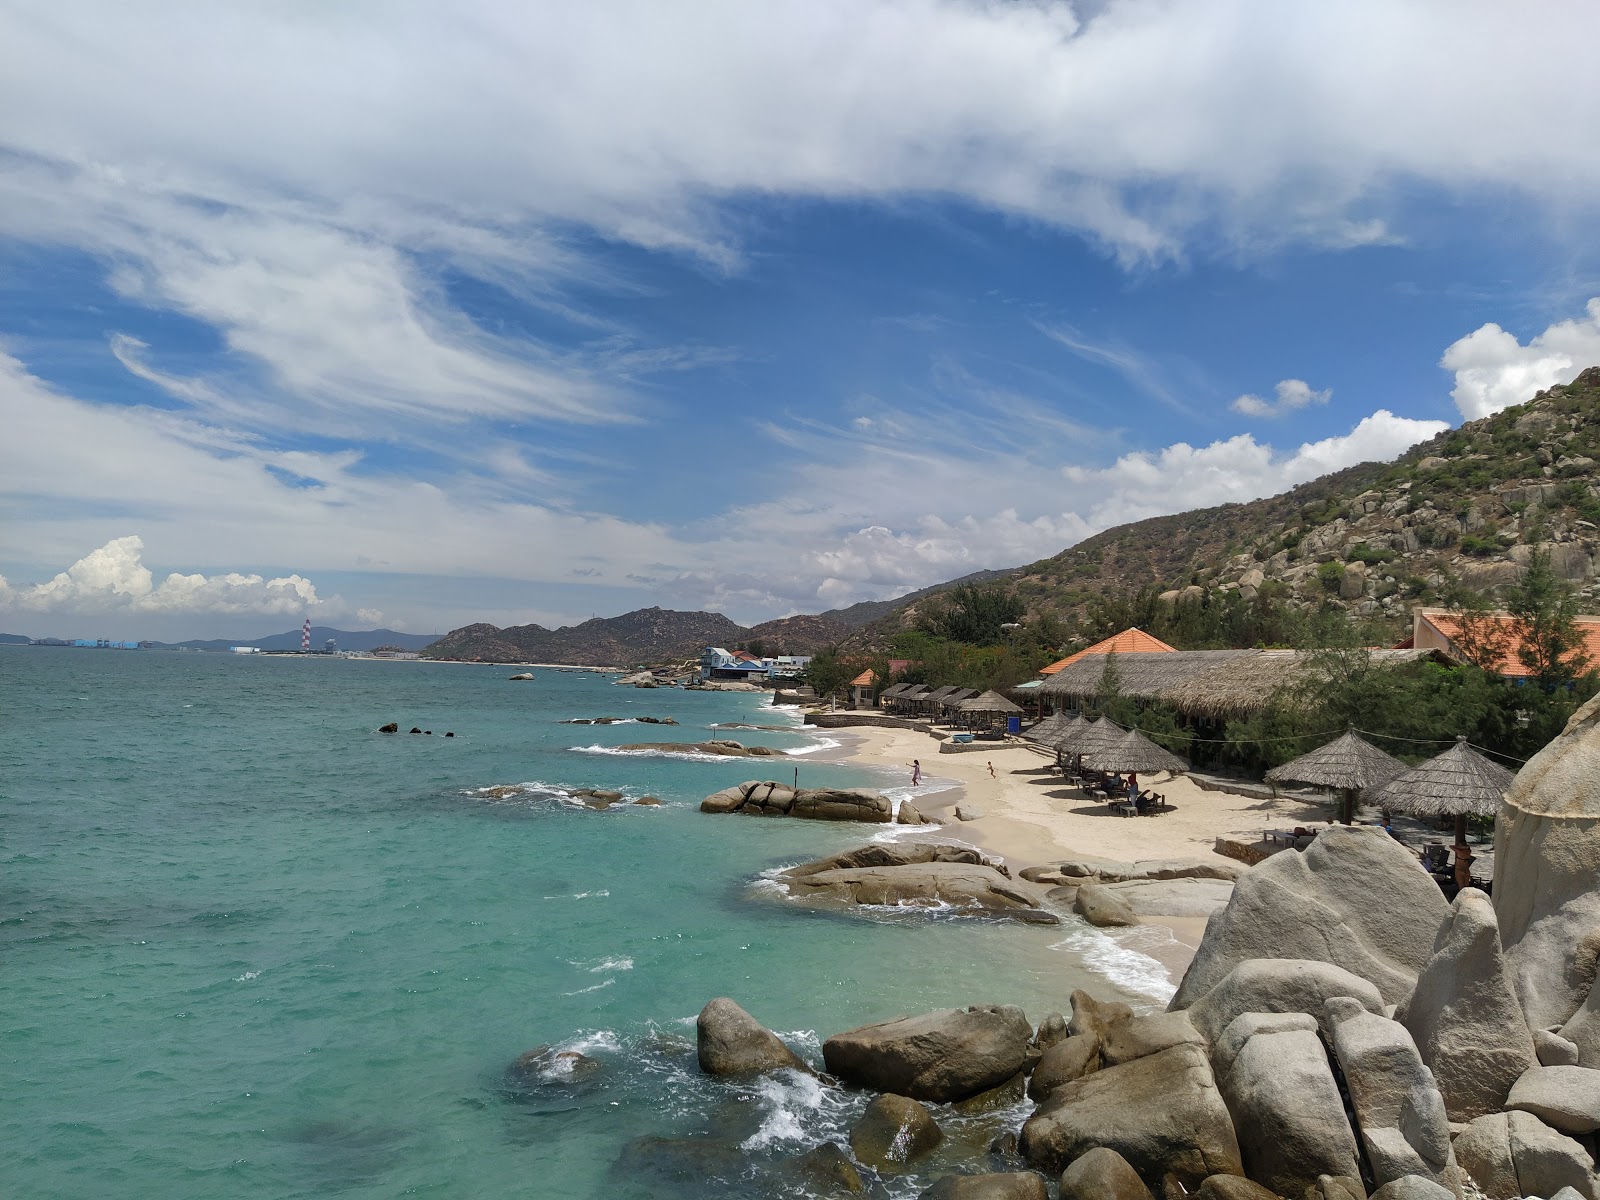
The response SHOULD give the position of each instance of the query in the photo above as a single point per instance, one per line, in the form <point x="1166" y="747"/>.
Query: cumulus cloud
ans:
<point x="115" y="578"/>
<point x="1494" y="371"/>
<point x="1290" y="395"/>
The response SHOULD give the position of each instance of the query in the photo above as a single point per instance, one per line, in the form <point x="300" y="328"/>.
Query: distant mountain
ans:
<point x="14" y="639"/>
<point x="649" y="635"/>
<point x="359" y="639"/>
<point x="659" y="635"/>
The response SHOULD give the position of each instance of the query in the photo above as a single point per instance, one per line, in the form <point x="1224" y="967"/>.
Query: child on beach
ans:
<point x="992" y="775"/>
<point x="916" y="773"/>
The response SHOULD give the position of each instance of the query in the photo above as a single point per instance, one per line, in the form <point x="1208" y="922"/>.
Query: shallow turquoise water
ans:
<point x="253" y="948"/>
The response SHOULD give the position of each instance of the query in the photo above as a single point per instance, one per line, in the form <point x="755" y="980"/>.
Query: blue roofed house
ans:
<point x="735" y="665"/>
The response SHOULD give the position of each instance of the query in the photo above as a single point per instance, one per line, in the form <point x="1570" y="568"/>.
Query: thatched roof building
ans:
<point x="1214" y="684"/>
<point x="990" y="702"/>
<point x="956" y="698"/>
<point x="1459" y="782"/>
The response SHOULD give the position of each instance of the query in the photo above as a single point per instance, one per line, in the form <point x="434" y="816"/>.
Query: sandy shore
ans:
<point x="1030" y="816"/>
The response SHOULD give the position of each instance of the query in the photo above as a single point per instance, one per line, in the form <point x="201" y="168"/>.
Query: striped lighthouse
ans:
<point x="305" y="637"/>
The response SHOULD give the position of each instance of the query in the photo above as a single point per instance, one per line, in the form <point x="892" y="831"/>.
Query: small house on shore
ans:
<point x="717" y="663"/>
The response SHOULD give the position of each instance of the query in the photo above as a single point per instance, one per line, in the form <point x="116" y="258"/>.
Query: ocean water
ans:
<point x="253" y="948"/>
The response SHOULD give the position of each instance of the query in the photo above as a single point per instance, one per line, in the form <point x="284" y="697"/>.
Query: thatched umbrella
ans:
<point x="1348" y="764"/>
<point x="1053" y="725"/>
<point x="1088" y="736"/>
<point x="1458" y="783"/>
<point x="1133" y="752"/>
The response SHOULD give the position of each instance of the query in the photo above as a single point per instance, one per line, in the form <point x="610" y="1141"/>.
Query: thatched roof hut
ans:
<point x="990" y="702"/>
<point x="1133" y="752"/>
<point x="1348" y="764"/>
<point x="1459" y="782"/>
<point x="956" y="697"/>
<point x="893" y="691"/>
<point x="1202" y="683"/>
<point x="1088" y="736"/>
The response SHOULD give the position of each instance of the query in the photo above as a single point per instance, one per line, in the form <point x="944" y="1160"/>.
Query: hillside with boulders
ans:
<point x="1471" y="505"/>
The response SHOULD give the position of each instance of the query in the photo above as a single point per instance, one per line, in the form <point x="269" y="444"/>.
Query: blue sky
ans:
<point x="388" y="314"/>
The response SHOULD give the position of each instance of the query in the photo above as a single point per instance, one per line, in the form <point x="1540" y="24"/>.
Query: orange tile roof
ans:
<point x="1509" y="665"/>
<point x="1129" y="641"/>
<point x="865" y="679"/>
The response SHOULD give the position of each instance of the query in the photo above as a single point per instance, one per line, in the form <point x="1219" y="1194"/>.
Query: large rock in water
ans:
<point x="1516" y="1154"/>
<point x="892" y="1131"/>
<point x="940" y="1056"/>
<point x="1397" y="1105"/>
<point x="1162" y="1113"/>
<point x="959" y="884"/>
<point x="1275" y="1079"/>
<point x="729" y="1041"/>
<point x="769" y="799"/>
<point x="1464" y="1014"/>
<point x="1547" y="858"/>
<point x="1356" y="898"/>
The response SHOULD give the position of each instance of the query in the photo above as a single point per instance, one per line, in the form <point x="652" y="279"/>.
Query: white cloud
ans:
<point x="1494" y="371"/>
<point x="371" y="617"/>
<point x="114" y="578"/>
<point x="1290" y="395"/>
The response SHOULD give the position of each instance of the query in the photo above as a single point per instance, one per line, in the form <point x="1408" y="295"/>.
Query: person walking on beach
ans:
<point x="992" y="775"/>
<point x="916" y="773"/>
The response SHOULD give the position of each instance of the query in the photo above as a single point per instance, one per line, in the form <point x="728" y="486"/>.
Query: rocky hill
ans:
<point x="1376" y="539"/>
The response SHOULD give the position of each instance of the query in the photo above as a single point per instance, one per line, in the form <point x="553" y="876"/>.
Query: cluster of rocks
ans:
<point x="721" y="747"/>
<point x="1342" y="1032"/>
<point x="766" y="798"/>
<point x="619" y="720"/>
<point x="1112" y="894"/>
<point x="394" y="727"/>
<point x="595" y="798"/>
<point x="919" y="874"/>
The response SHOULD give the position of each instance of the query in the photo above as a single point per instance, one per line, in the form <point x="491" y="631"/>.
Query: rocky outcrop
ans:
<point x="1098" y="1017"/>
<point x="1566" y="1097"/>
<point x="1279" y="985"/>
<point x="719" y="747"/>
<point x="981" y="889"/>
<point x="1102" y="1174"/>
<point x="1547" y="858"/>
<point x="1098" y="906"/>
<point x="1009" y="1185"/>
<point x="1399" y="1112"/>
<point x="729" y="1041"/>
<point x="1553" y="1050"/>
<point x="1062" y="1062"/>
<point x="1356" y="898"/>
<point x="894" y="1130"/>
<point x="1412" y="1187"/>
<point x="940" y="1056"/>
<point x="1142" y="1036"/>
<point x="768" y="799"/>
<point x="1515" y="1154"/>
<point x="1274" y="1077"/>
<point x="1232" y="1187"/>
<point x="1464" y="1014"/>
<point x="1161" y="1113"/>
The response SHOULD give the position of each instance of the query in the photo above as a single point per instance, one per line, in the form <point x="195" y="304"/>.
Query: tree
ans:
<point x="971" y="613"/>
<point x="1483" y="638"/>
<point x="1551" y="646"/>
<point x="828" y="671"/>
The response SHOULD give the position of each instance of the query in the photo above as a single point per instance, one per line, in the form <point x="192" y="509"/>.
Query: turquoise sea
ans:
<point x="253" y="948"/>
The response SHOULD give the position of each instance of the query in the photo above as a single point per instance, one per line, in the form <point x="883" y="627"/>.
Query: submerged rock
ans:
<point x="520" y="676"/>
<point x="940" y="1056"/>
<point x="391" y="727"/>
<point x="720" y="747"/>
<point x="827" y="1170"/>
<point x="546" y="1065"/>
<point x="893" y="1131"/>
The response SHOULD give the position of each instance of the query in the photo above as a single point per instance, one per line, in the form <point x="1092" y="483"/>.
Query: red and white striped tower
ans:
<point x="305" y="637"/>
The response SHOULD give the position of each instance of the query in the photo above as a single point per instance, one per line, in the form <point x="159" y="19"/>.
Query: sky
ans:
<point x="413" y="315"/>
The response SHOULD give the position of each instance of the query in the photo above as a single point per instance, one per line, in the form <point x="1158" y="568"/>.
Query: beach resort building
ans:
<point x="787" y="666"/>
<point x="1129" y="641"/>
<point x="1440" y="629"/>
<point x="738" y="665"/>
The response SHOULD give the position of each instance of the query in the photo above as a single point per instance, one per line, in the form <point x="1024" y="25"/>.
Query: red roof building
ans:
<point x="1129" y="641"/>
<point x="1440" y="629"/>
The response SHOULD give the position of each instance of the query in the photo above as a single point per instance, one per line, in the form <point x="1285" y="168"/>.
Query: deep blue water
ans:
<point x="254" y="948"/>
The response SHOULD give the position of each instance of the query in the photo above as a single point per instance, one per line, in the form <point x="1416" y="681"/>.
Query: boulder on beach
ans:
<point x="894" y="1130"/>
<point x="1413" y="1187"/>
<point x="1102" y="1174"/>
<point x="1547" y="858"/>
<point x="1274" y="1077"/>
<point x="729" y="1041"/>
<point x="1567" y="1098"/>
<point x="1007" y="1185"/>
<point x="1398" y="1110"/>
<point x="1356" y="898"/>
<point x="1232" y="1187"/>
<point x="941" y="1056"/>
<point x="766" y="798"/>
<point x="981" y="889"/>
<point x="1141" y="1036"/>
<point x="1279" y="985"/>
<point x="1161" y="1113"/>
<point x="1100" y="907"/>
<point x="1464" y="1014"/>
<point x="1553" y="1050"/>
<point x="1096" y="1016"/>
<point x="1515" y="1154"/>
<point x="1062" y="1062"/>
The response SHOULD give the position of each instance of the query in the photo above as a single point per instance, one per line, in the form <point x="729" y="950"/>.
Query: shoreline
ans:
<point x="1027" y="816"/>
